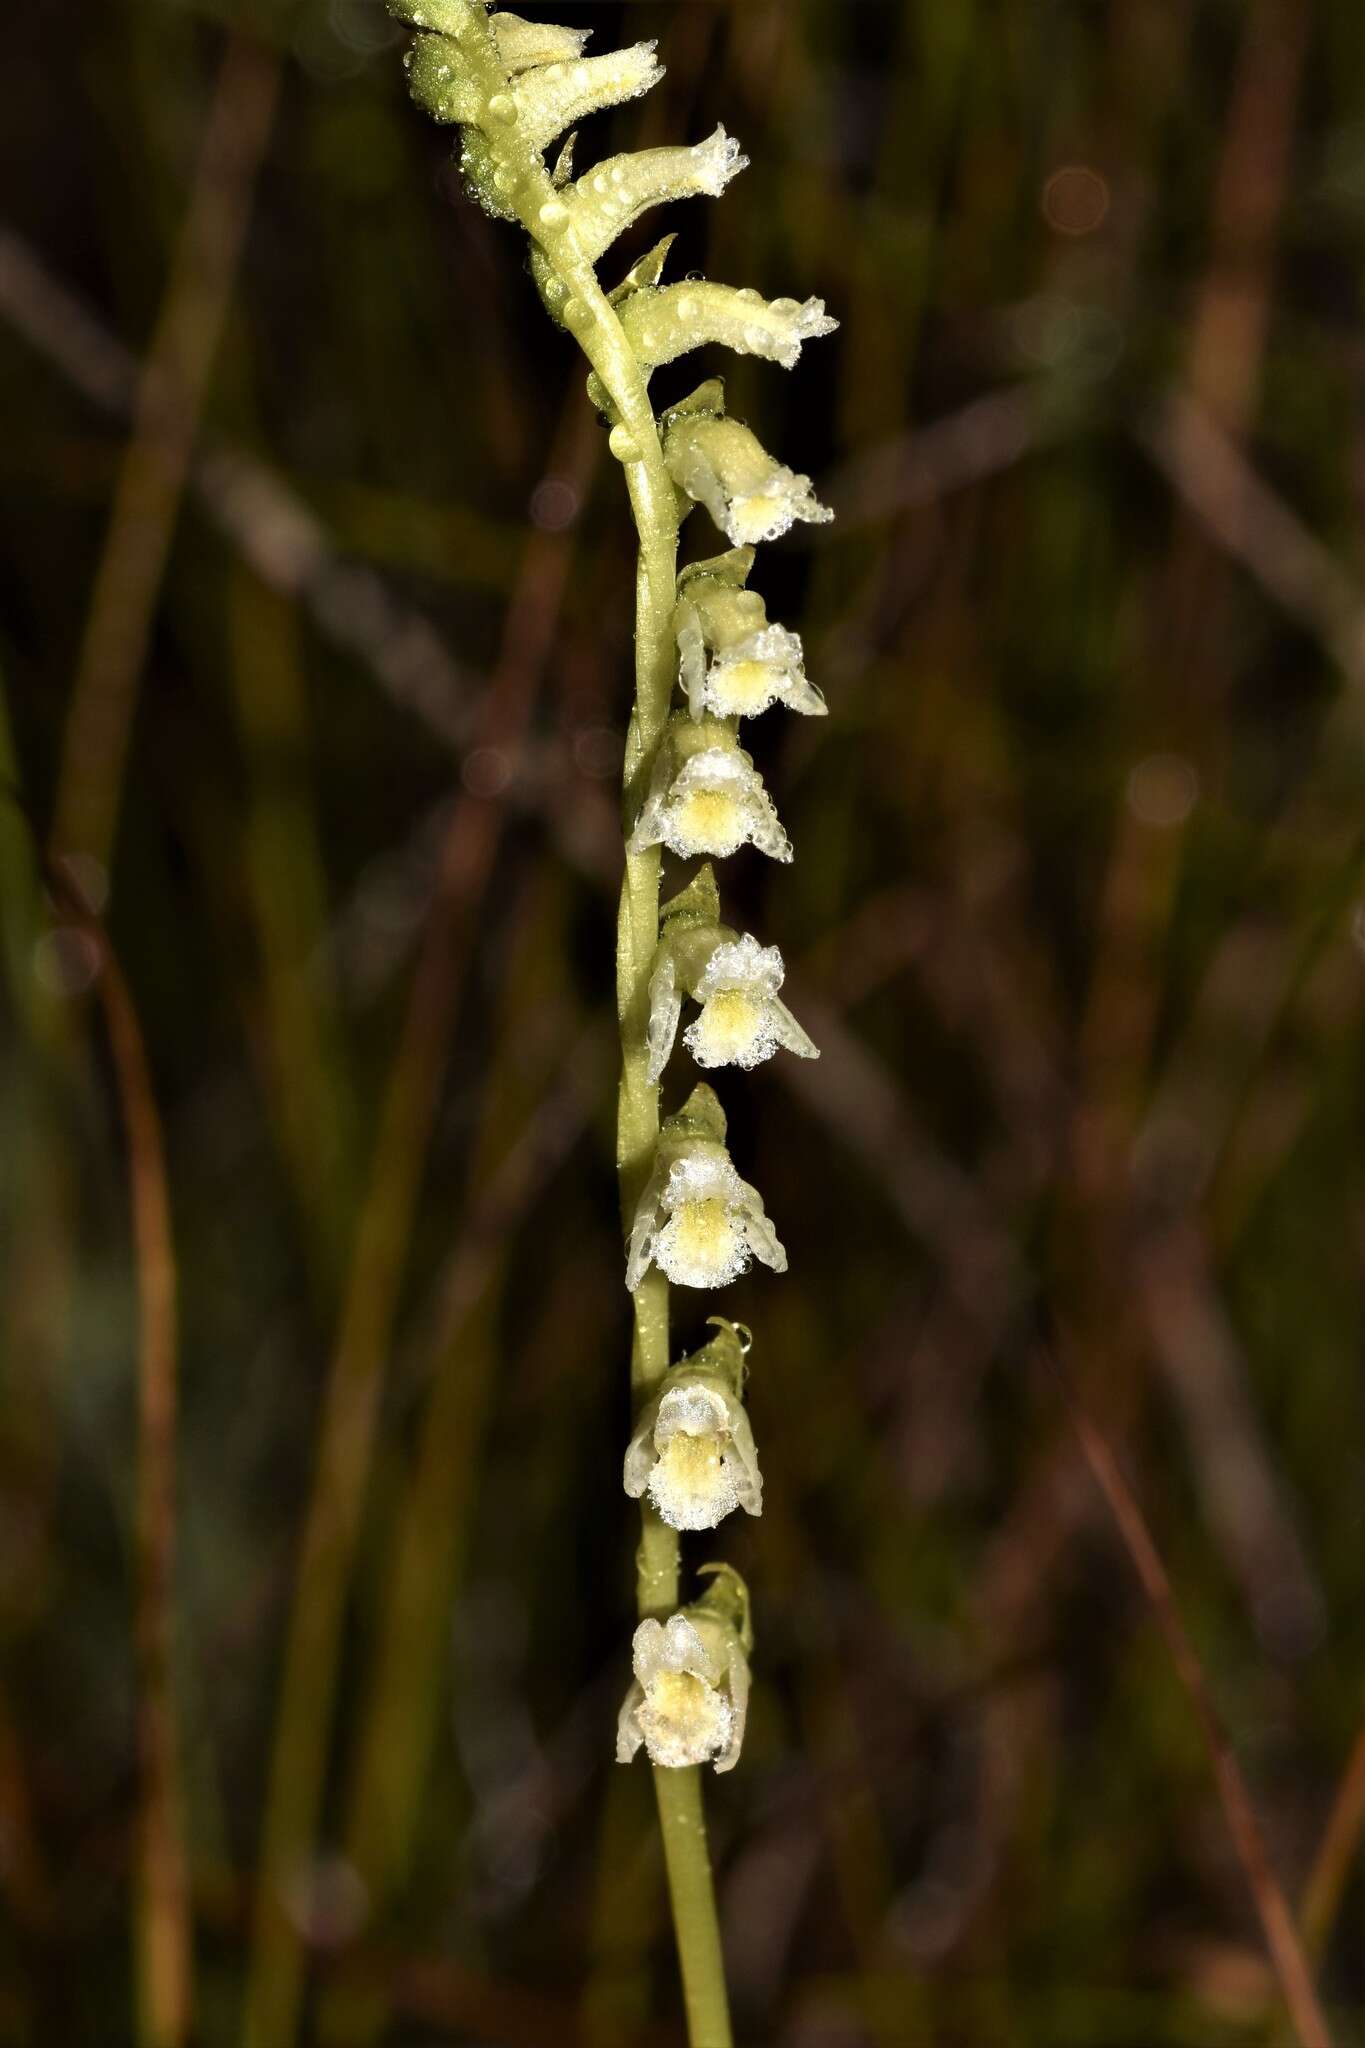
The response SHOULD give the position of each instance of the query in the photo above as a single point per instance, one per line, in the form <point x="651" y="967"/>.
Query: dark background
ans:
<point x="315" y="621"/>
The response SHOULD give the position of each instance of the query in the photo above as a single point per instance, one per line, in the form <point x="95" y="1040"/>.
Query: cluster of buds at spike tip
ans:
<point x="734" y="980"/>
<point x="689" y="1699"/>
<point x="514" y="88"/>
<point x="693" y="1449"/>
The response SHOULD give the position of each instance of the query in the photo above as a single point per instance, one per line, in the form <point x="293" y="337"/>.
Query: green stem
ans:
<point x="654" y="506"/>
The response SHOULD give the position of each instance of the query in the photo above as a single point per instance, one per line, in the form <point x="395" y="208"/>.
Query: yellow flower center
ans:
<point x="711" y="820"/>
<point x="741" y="688"/>
<point x="728" y="1026"/>
<point x="703" y="1236"/>
<point x="691" y="1466"/>
<point x="755" y="517"/>
<point x="684" y="1719"/>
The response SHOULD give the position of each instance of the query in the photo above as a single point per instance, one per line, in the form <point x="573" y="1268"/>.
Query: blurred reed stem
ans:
<point x="172" y="386"/>
<point x="351" y="1402"/>
<point x="162" y="1922"/>
<point x="305" y="1054"/>
<point x="393" y="1749"/>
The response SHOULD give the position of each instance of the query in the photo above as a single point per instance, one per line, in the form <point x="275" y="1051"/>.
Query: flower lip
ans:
<point x="765" y="668"/>
<point x="703" y="1243"/>
<point x="692" y="1483"/>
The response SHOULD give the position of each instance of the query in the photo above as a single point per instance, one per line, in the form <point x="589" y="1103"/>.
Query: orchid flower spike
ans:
<point x="696" y="1220"/>
<point x="743" y="1020"/>
<point x="719" y="463"/>
<point x="689" y="1700"/>
<point x="705" y="795"/>
<point x="752" y="664"/>
<point x="693" y="1449"/>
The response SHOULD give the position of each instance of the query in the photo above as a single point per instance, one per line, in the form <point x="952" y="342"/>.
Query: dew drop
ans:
<point x="623" y="444"/>
<point x="502" y="108"/>
<point x="575" y="315"/>
<point x="553" y="213"/>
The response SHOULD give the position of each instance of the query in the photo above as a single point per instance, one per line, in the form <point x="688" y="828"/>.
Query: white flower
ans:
<point x="752" y="664"/>
<point x="701" y="1224"/>
<point x="751" y="496"/>
<point x="706" y="797"/>
<point x="767" y="668"/>
<point x="743" y="1020"/>
<point x="697" y="1221"/>
<point x="693" y="1449"/>
<point x="690" y="1697"/>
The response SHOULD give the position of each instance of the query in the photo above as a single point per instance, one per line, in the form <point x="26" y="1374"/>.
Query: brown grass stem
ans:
<point x="162" y="1919"/>
<point x="1283" y="1942"/>
<point x="151" y="481"/>
<point x="351" y="1400"/>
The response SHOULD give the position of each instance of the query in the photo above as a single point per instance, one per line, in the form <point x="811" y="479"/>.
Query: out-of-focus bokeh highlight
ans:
<point x="315" y="617"/>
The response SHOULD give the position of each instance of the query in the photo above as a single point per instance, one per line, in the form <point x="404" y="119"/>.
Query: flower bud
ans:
<point x="666" y="322"/>
<point x="615" y="193"/>
<point x="541" y="101"/>
<point x="735" y="980"/>
<point x="753" y="664"/>
<point x="693" y="1449"/>
<point x="556" y="96"/>
<point x="439" y="17"/>
<point x="751" y="496"/>
<point x="705" y="796"/>
<point x="689" y="1700"/>
<point x="696" y="1220"/>
<point x="524" y="45"/>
